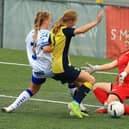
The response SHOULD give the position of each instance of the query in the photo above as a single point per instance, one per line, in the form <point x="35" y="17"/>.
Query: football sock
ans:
<point x="101" y="95"/>
<point x="72" y="88"/>
<point x="126" y="108"/>
<point x="23" y="97"/>
<point x="82" y="91"/>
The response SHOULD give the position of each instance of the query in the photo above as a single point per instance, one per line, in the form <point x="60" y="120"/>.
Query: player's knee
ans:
<point x="92" y="81"/>
<point x="112" y="97"/>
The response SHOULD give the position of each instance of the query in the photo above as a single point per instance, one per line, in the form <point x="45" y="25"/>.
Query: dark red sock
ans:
<point x="101" y="95"/>
<point x="126" y="107"/>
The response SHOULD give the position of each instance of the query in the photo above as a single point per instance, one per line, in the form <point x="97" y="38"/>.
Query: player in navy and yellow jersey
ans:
<point x="60" y="37"/>
<point x="107" y="92"/>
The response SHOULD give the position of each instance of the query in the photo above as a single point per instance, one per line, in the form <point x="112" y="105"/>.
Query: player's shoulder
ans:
<point x="69" y="31"/>
<point x="43" y="31"/>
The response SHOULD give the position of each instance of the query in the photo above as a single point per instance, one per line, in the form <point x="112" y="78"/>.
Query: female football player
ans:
<point x="39" y="56"/>
<point x="107" y="92"/>
<point x="60" y="37"/>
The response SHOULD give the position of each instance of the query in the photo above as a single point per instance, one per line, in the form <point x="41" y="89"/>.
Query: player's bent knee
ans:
<point x="92" y="80"/>
<point x="112" y="97"/>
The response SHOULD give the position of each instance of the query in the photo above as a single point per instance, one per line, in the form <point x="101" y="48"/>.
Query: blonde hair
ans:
<point x="69" y="15"/>
<point x="38" y="21"/>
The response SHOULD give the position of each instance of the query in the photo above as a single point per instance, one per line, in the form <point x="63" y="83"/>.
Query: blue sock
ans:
<point x="81" y="93"/>
<point x="71" y="85"/>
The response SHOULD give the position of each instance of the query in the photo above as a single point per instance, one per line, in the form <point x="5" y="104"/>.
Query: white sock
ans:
<point x="22" y="98"/>
<point x="72" y="91"/>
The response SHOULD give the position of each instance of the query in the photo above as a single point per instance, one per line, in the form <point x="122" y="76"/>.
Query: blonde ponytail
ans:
<point x="68" y="15"/>
<point x="38" y="21"/>
<point x="57" y="25"/>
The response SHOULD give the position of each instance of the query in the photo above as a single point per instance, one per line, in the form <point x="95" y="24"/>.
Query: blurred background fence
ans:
<point x="16" y="20"/>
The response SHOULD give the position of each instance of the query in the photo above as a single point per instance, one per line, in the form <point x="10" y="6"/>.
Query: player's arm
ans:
<point x="127" y="68"/>
<point x="90" y="25"/>
<point x="123" y="74"/>
<point x="93" y="68"/>
<point x="108" y="66"/>
<point x="47" y="48"/>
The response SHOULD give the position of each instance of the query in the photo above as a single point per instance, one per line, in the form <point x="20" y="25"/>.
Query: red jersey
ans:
<point x="123" y="61"/>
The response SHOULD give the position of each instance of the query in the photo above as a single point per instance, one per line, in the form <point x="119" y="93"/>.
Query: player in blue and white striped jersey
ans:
<point x="39" y="56"/>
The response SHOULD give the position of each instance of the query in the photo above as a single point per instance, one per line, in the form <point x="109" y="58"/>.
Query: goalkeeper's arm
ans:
<point x="123" y="75"/>
<point x="93" y="68"/>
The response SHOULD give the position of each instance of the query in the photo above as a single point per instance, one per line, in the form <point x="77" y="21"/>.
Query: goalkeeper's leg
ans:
<point x="101" y="91"/>
<point x="101" y="95"/>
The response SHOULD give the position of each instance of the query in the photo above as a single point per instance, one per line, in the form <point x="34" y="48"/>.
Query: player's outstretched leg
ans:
<point x="23" y="97"/>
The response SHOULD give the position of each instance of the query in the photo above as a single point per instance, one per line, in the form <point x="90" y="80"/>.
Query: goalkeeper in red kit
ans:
<point x="107" y="92"/>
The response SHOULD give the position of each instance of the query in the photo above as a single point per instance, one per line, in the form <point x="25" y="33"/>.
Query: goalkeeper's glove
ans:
<point x="122" y="77"/>
<point x="91" y="68"/>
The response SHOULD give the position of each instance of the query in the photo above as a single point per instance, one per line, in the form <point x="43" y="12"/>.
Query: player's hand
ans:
<point x="122" y="77"/>
<point x="100" y="16"/>
<point x="89" y="68"/>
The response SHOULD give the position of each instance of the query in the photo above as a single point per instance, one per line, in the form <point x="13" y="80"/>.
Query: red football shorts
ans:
<point x="122" y="92"/>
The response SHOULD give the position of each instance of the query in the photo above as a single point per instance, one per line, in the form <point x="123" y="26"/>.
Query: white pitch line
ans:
<point x="46" y="100"/>
<point x="17" y="64"/>
<point x="109" y="73"/>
